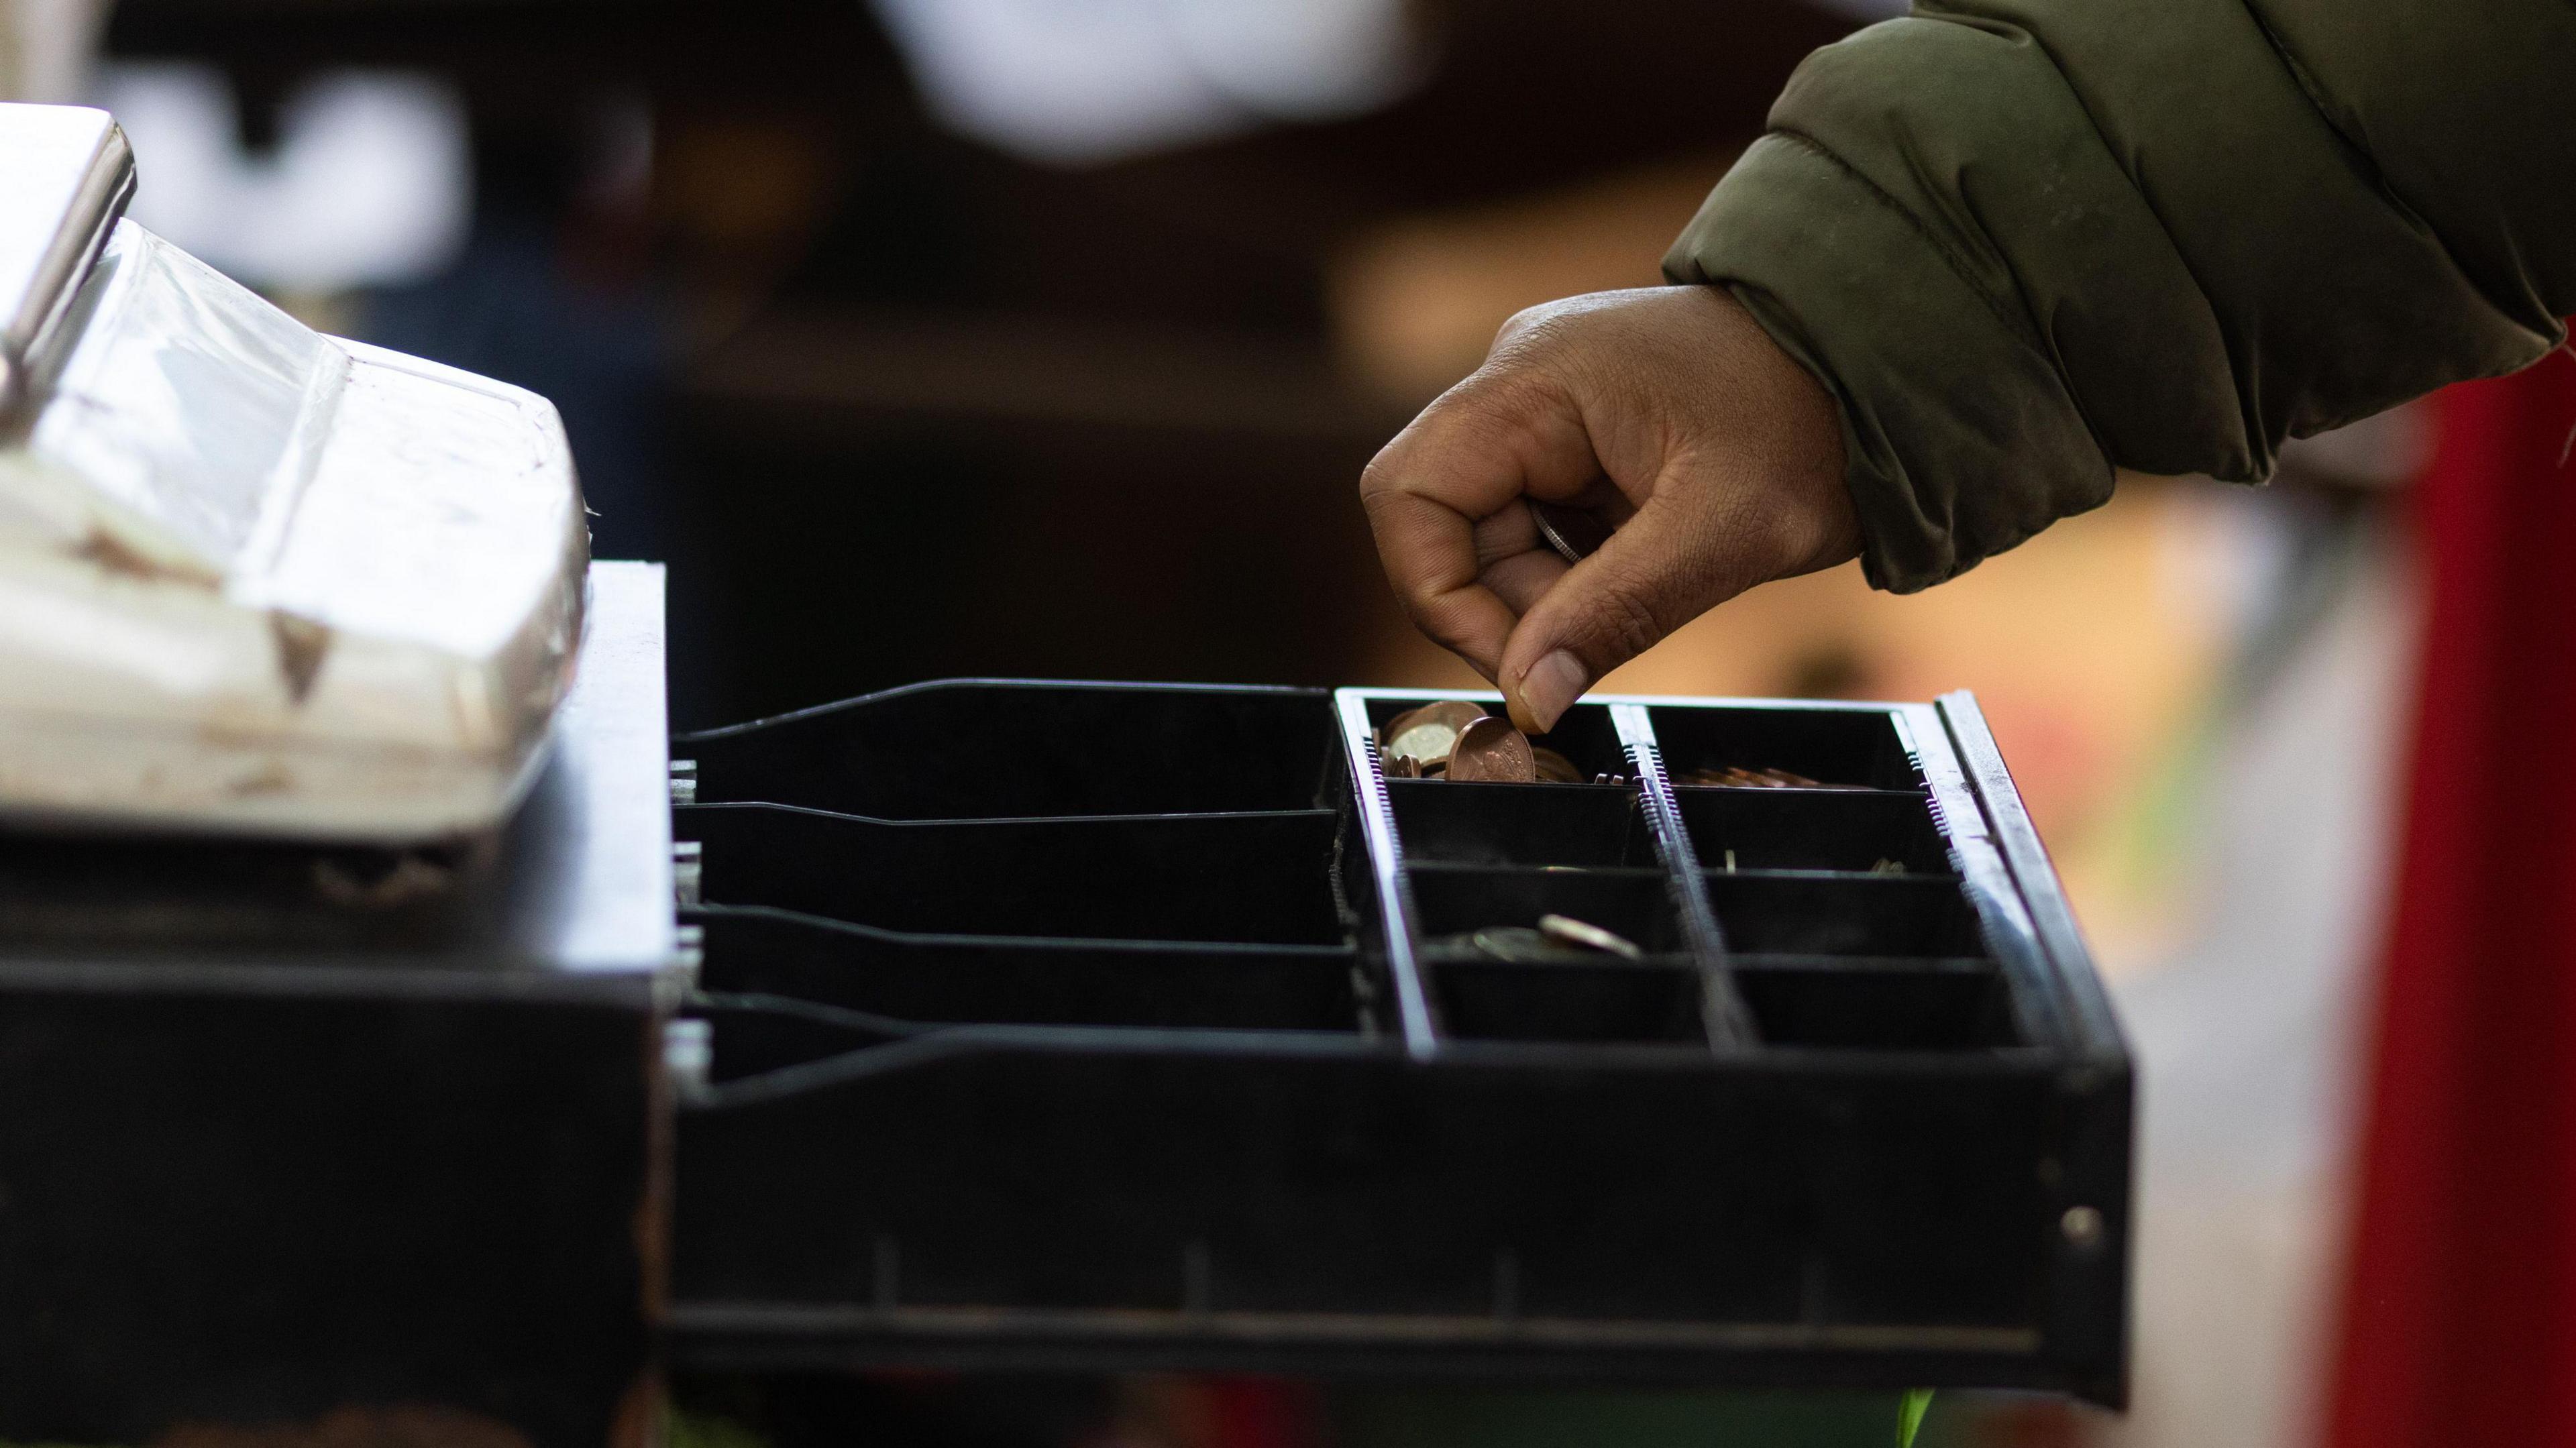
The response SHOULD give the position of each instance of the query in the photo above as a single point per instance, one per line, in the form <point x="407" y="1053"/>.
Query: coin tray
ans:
<point x="1146" y="1027"/>
<point x="1810" y="829"/>
<point x="1520" y="824"/>
<point x="1656" y="999"/>
<point x="1816" y="913"/>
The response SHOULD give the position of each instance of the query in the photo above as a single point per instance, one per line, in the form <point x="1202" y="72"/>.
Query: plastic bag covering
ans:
<point x="256" y="578"/>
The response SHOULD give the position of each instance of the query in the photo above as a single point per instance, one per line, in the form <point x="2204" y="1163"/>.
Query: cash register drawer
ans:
<point x="1120" y="1026"/>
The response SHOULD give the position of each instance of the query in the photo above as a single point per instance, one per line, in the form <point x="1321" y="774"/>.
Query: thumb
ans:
<point x="1659" y="571"/>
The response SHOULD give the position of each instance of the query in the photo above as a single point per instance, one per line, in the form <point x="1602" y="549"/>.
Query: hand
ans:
<point x="1671" y="401"/>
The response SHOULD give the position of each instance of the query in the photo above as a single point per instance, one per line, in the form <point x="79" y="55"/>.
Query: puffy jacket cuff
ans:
<point x="1960" y="438"/>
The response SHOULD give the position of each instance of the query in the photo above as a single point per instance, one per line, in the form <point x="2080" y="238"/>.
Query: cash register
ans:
<point x="401" y="1030"/>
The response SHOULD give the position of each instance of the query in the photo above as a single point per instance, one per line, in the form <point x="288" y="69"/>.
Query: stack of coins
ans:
<point x="1737" y="777"/>
<point x="1455" y="739"/>
<point x="1556" y="938"/>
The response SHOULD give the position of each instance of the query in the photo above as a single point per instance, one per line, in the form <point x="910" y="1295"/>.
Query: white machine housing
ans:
<point x="254" y="579"/>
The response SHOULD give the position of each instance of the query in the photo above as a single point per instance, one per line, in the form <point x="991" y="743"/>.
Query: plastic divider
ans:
<point x="1249" y="878"/>
<point x="989" y="980"/>
<point x="1729" y="1025"/>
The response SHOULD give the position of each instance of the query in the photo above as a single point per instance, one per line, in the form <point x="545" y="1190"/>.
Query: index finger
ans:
<point x="1470" y="455"/>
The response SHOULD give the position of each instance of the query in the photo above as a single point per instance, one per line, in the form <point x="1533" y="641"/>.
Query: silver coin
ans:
<point x="1575" y="533"/>
<point x="1518" y="944"/>
<point x="1570" y="931"/>
<point x="1428" y="733"/>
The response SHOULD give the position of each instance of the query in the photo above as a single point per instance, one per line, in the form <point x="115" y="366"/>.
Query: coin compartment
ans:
<point x="1460" y="899"/>
<point x="1867" y="1004"/>
<point x="1830" y="743"/>
<point x="1250" y="878"/>
<point x="1520" y="824"/>
<point x="949" y="980"/>
<point x="975" y="749"/>
<point x="1603" y="1000"/>
<point x="1851" y="914"/>
<point x="1810" y="829"/>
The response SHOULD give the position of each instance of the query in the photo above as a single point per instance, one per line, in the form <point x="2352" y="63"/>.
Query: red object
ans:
<point x="1265" y="1413"/>
<point x="2459" y="1316"/>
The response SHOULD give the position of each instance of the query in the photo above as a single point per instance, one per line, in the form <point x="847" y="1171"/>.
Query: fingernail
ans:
<point x="1550" y="685"/>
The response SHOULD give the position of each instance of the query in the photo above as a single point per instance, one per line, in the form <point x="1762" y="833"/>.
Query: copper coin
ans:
<point x="1554" y="766"/>
<point x="1491" y="751"/>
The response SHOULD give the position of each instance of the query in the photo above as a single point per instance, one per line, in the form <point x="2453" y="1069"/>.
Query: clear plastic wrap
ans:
<point x="256" y="578"/>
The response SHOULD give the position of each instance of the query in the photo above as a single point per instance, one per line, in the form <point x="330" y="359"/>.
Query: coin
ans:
<point x="1518" y="944"/>
<point x="1491" y="751"/>
<point x="1430" y="732"/>
<point x="1575" y="533"/>
<point x="1570" y="931"/>
<point x="1737" y="777"/>
<point x="1554" y="766"/>
<point x="1400" y="766"/>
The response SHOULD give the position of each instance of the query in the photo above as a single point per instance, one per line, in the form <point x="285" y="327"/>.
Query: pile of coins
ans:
<point x="1556" y="938"/>
<point x="1737" y="777"/>
<point x="1457" y="740"/>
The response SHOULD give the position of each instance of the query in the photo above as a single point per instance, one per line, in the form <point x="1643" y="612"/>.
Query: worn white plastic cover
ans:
<point x="253" y="578"/>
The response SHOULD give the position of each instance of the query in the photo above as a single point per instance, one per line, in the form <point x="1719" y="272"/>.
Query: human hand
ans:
<point x="1666" y="409"/>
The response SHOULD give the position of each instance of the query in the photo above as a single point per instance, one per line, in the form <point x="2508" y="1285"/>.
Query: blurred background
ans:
<point x="1048" y="337"/>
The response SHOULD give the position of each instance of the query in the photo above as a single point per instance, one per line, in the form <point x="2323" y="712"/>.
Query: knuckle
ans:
<point x="1377" y="478"/>
<point x="1532" y="333"/>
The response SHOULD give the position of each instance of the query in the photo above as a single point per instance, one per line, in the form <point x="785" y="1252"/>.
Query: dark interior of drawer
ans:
<point x="992" y="751"/>
<point x="1519" y="824"/>
<point x="1252" y="878"/>
<point x="1454" y="900"/>
<point x="1876" y="1005"/>
<point x="1844" y="914"/>
<point x="1657" y="999"/>
<point x="1828" y="745"/>
<point x="1030" y="982"/>
<point x="1812" y="829"/>
<point x="1586" y="735"/>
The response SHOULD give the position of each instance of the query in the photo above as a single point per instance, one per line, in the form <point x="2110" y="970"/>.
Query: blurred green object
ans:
<point x="684" y="1429"/>
<point x="1909" y="1415"/>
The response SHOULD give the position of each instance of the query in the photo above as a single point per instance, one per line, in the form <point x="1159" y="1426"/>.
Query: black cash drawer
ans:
<point x="1081" y="1026"/>
<point x="1106" y="1026"/>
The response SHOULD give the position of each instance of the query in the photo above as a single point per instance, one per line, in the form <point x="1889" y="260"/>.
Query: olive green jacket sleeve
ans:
<point x="2024" y="242"/>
